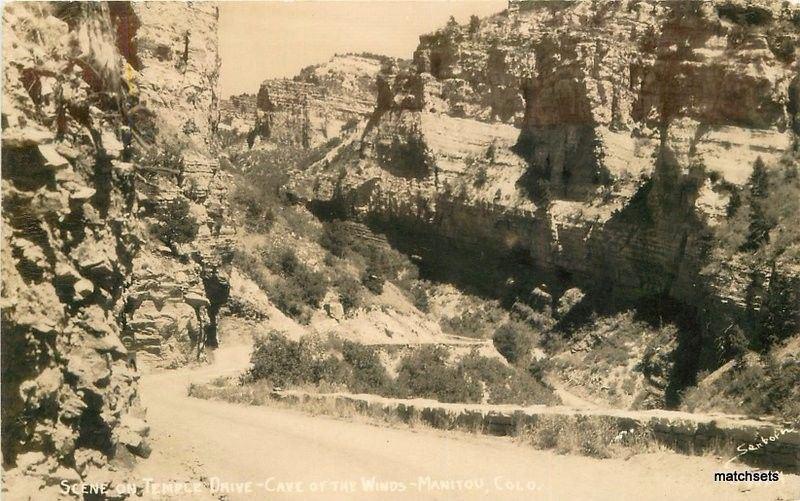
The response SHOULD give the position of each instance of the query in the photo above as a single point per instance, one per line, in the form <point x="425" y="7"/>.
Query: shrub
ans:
<point x="368" y="374"/>
<point x="249" y="263"/>
<point x="470" y="323"/>
<point x="381" y="262"/>
<point x="174" y="224"/>
<point x="289" y="299"/>
<point x="481" y="177"/>
<point x="257" y="193"/>
<point x="732" y="343"/>
<point x="373" y="280"/>
<point x="258" y="214"/>
<point x="425" y="373"/>
<point x="278" y="360"/>
<point x="514" y="341"/>
<point x="757" y="389"/>
<point x="585" y="435"/>
<point x="335" y="238"/>
<point x="284" y="362"/>
<point x="505" y="384"/>
<point x="350" y="292"/>
<point x="419" y="295"/>
<point x="300" y="285"/>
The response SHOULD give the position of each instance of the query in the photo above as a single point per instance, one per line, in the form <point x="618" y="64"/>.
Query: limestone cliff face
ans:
<point x="176" y="292"/>
<point x="598" y="142"/>
<point x="317" y="105"/>
<point x="84" y="111"/>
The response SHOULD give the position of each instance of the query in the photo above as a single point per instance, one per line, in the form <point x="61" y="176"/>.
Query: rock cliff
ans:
<point x="177" y="290"/>
<point x="598" y="145"/>
<point x="96" y="97"/>
<point x="315" y="106"/>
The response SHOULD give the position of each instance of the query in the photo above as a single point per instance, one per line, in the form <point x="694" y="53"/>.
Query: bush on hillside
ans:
<point x="311" y="285"/>
<point x="296" y="290"/>
<point x="257" y="193"/>
<point x="380" y="261"/>
<point x="756" y="389"/>
<point x="368" y="374"/>
<point x="514" y="340"/>
<point x="373" y="280"/>
<point x="426" y="373"/>
<point x="335" y="238"/>
<point x="420" y="296"/>
<point x="285" y="362"/>
<point x="174" y="223"/>
<point x="505" y="384"/>
<point x="350" y="290"/>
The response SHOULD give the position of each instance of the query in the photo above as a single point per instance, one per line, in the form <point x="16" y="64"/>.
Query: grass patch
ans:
<point x="594" y="436"/>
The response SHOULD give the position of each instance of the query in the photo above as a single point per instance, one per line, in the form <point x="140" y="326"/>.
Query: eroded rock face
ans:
<point x="317" y="105"/>
<point x="594" y="142"/>
<point x="83" y="105"/>
<point x="177" y="54"/>
<point x="69" y="239"/>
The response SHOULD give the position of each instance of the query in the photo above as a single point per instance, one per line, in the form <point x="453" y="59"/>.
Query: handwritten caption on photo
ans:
<point x="216" y="485"/>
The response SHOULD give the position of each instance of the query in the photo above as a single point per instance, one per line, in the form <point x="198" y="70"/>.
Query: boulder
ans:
<point x="569" y="300"/>
<point x="334" y="310"/>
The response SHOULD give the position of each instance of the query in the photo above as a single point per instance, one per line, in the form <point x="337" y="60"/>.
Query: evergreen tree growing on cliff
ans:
<point x="174" y="223"/>
<point x="760" y="225"/>
<point x="474" y="24"/>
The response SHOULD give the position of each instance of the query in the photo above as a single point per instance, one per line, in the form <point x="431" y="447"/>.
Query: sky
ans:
<point x="260" y="40"/>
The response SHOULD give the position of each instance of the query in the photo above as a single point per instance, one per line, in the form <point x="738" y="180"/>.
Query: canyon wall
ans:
<point x="177" y="290"/>
<point x="596" y="143"/>
<point x="317" y="105"/>
<point x="95" y="97"/>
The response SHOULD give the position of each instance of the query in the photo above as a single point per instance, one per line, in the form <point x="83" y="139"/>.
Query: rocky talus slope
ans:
<point x="95" y="96"/>
<point x="597" y="145"/>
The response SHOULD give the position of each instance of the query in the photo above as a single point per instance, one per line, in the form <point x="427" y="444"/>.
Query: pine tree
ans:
<point x="759" y="227"/>
<point x="474" y="24"/>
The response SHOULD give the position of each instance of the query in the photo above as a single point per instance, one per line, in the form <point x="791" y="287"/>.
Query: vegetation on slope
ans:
<point x="428" y="371"/>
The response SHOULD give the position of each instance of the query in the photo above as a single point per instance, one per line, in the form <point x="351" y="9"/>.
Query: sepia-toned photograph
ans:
<point x="413" y="250"/>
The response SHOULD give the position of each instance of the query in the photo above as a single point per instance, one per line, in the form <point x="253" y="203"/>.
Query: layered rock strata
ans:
<point x="176" y="293"/>
<point x="596" y="143"/>
<point x="317" y="105"/>
<point x="85" y="106"/>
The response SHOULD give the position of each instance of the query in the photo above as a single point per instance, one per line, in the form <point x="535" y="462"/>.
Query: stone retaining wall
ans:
<point x="683" y="432"/>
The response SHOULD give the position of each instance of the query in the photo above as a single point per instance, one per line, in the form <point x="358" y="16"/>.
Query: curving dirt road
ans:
<point x="216" y="448"/>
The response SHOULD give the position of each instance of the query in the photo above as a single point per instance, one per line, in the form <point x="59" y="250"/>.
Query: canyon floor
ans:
<point x="278" y="449"/>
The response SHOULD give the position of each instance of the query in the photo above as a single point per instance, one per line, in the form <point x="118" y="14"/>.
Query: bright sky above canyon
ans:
<point x="260" y="40"/>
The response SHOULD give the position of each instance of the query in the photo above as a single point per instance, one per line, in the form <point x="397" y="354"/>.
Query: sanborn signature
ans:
<point x="762" y="442"/>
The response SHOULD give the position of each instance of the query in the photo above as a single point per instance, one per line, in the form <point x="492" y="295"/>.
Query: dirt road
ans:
<point x="270" y="453"/>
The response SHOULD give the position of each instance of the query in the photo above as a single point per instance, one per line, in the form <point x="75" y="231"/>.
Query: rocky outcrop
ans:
<point x="177" y="292"/>
<point x="69" y="396"/>
<point x="597" y="144"/>
<point x="89" y="123"/>
<point x="317" y="105"/>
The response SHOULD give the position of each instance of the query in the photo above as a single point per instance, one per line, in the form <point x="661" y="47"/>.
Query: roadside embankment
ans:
<point x="757" y="443"/>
